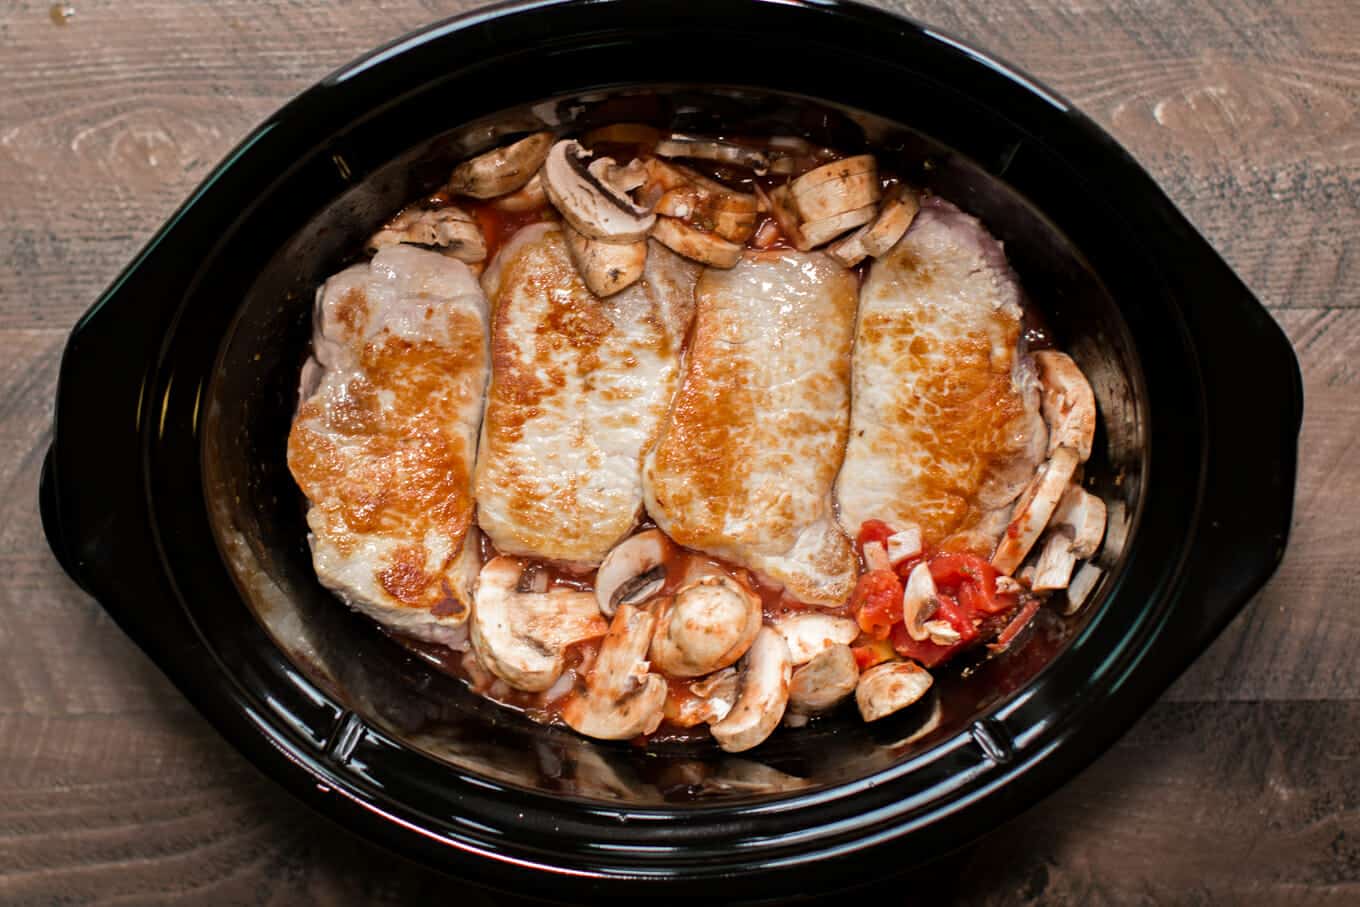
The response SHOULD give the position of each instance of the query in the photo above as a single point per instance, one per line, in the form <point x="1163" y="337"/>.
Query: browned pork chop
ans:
<point x="579" y="387"/>
<point x="384" y="439"/>
<point x="746" y="460"/>
<point x="945" y="429"/>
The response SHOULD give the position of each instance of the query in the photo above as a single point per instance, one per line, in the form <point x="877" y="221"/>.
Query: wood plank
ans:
<point x="141" y="809"/>
<point x="137" y="123"/>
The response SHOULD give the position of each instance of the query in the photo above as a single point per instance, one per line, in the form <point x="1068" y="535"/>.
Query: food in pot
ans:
<point x="385" y="437"/>
<point x="579" y="388"/>
<point x="747" y="457"/>
<point x="653" y="433"/>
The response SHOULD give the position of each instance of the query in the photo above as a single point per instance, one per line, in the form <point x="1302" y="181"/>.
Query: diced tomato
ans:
<point x="973" y="580"/>
<point x="877" y="602"/>
<point x="872" y="531"/>
<point x="930" y="654"/>
<point x="873" y="653"/>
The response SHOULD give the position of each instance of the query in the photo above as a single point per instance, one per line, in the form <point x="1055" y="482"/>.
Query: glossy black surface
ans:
<point x="176" y="389"/>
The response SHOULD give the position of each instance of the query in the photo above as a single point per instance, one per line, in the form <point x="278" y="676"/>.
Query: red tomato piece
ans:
<point x="930" y="654"/>
<point x="872" y="531"/>
<point x="873" y="653"/>
<point x="877" y="602"/>
<point x="973" y="580"/>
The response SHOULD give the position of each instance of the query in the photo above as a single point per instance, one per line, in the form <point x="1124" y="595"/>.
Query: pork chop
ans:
<point x="383" y="441"/>
<point x="579" y="386"/>
<point x="945" y="430"/>
<point x="746" y="460"/>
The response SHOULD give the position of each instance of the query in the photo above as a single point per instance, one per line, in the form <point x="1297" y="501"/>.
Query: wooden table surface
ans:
<point x="1241" y="785"/>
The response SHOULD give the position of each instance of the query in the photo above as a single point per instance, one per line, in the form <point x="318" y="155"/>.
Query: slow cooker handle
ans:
<point x="50" y="514"/>
<point x="1253" y="394"/>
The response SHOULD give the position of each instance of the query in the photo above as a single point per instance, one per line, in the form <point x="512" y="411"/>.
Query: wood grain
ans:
<point x="1240" y="786"/>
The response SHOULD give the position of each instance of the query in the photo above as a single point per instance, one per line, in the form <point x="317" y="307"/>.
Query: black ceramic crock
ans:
<point x="165" y="493"/>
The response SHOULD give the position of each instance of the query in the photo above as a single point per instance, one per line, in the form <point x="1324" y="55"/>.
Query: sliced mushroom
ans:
<point x="919" y="601"/>
<point x="708" y="248"/>
<point x="606" y="267"/>
<point x="662" y="177"/>
<point x="836" y="188"/>
<point x="905" y="544"/>
<point x="1033" y="509"/>
<point x="941" y="632"/>
<point x="589" y="203"/>
<point x="1079" y="590"/>
<point x="1069" y="405"/>
<point x="633" y="571"/>
<point x="528" y="197"/>
<point x="703" y="701"/>
<point x="503" y="170"/>
<point x="622" y="699"/>
<point x="875" y="238"/>
<point x="782" y="209"/>
<point x="1054" y="567"/>
<point x="808" y="633"/>
<point x="1075" y="531"/>
<point x="731" y="215"/>
<point x="451" y="228"/>
<point x="824" y="681"/>
<point x="707" y="625"/>
<point x="713" y="150"/>
<point x="521" y="636"/>
<point x="890" y="687"/>
<point x="765" y="673"/>
<point x="1080" y="515"/>
<point x="817" y="232"/>
<point x="895" y="216"/>
<point x="623" y="178"/>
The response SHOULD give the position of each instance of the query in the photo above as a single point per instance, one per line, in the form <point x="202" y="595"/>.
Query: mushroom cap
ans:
<point x="501" y="170"/>
<point x="824" y="681"/>
<point x="621" y="699"/>
<point x="890" y="687"/>
<point x="707" y="625"/>
<point x="808" y="633"/>
<point x="765" y="674"/>
<point x="521" y="637"/>
<point x="632" y="559"/>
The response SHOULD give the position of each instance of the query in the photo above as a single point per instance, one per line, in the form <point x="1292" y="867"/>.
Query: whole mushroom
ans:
<point x="707" y="625"/>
